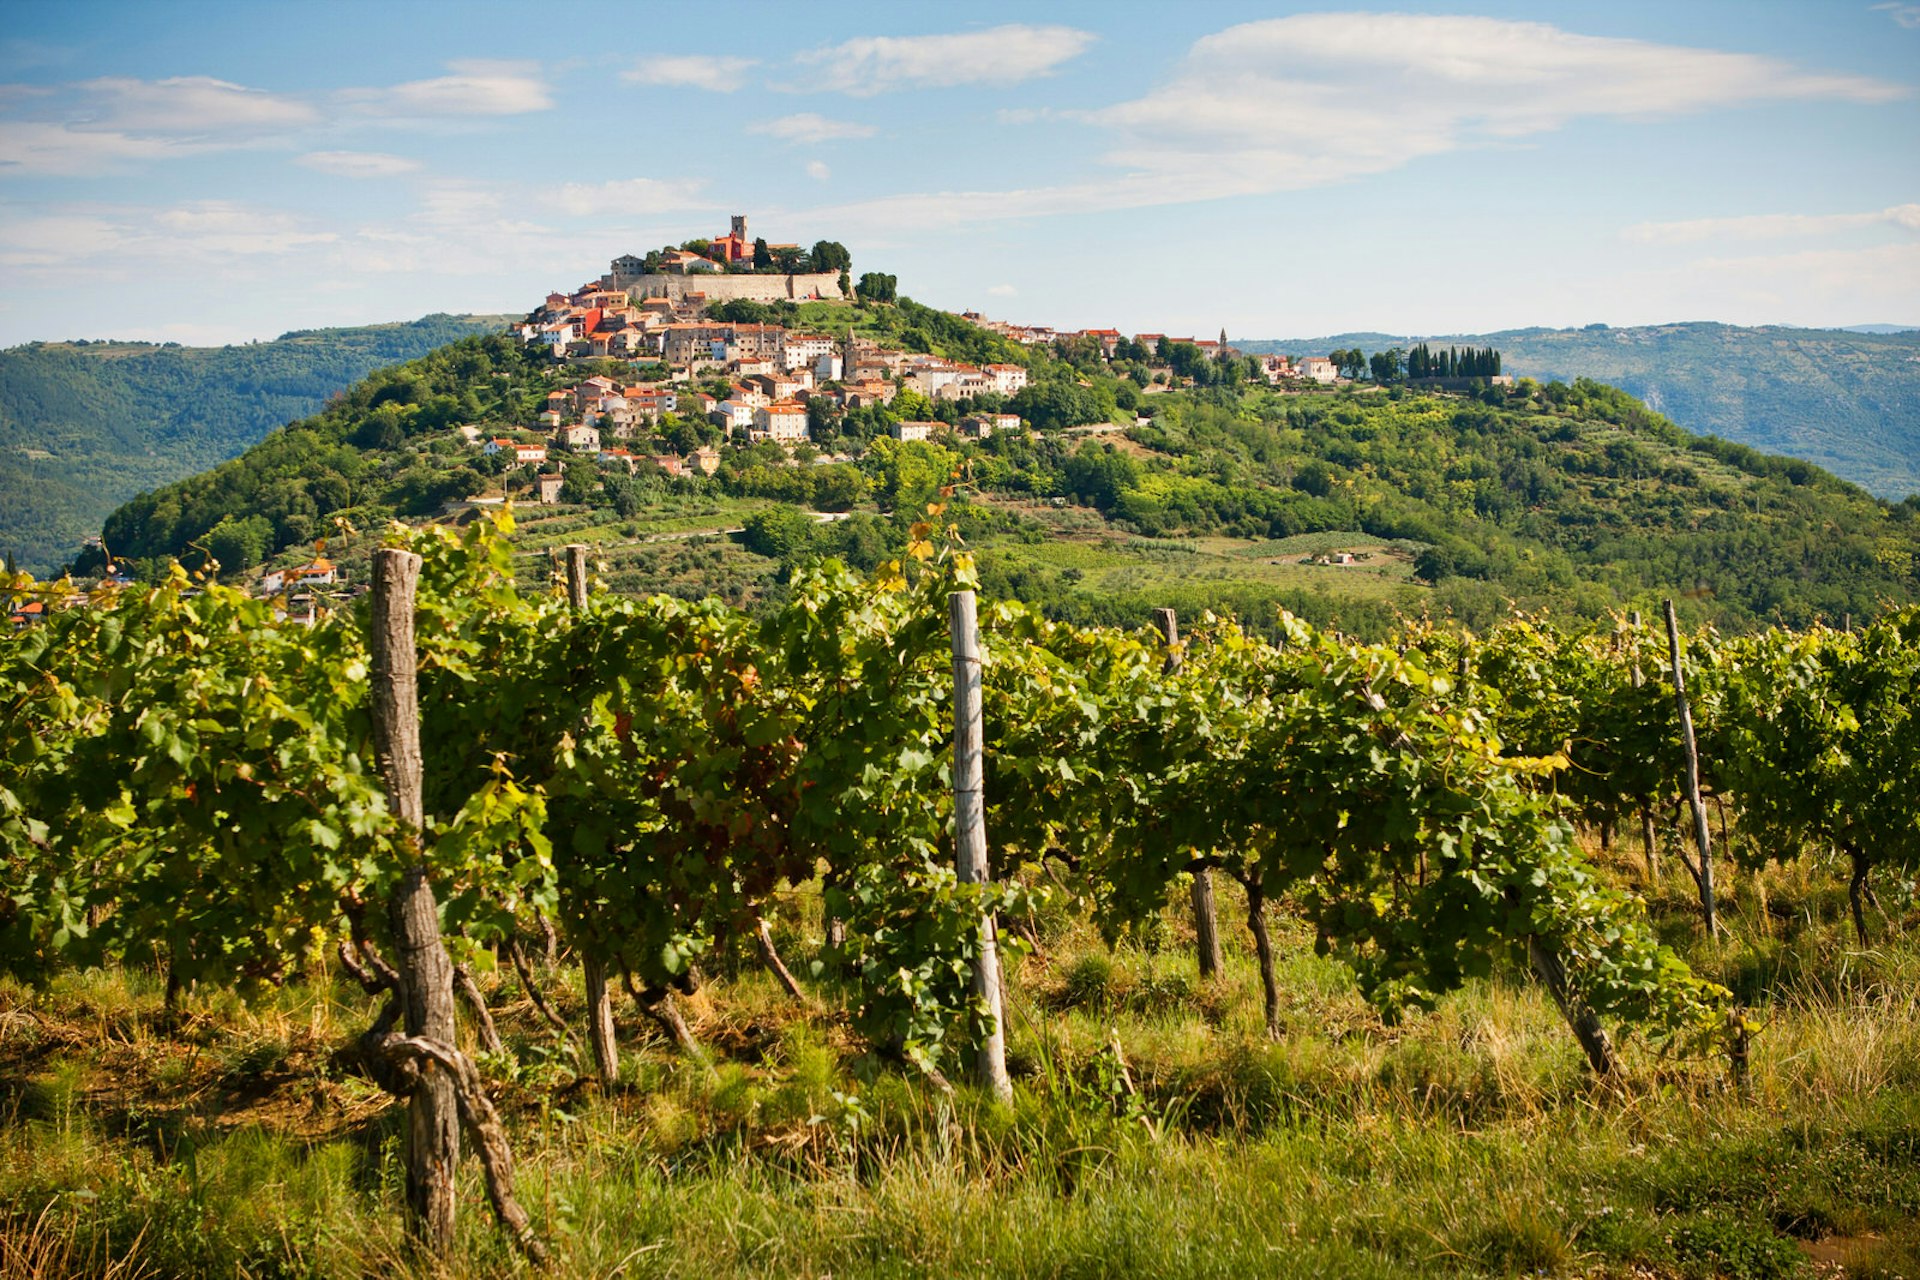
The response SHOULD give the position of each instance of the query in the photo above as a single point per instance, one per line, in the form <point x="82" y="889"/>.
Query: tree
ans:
<point x="837" y="487"/>
<point x="908" y="473"/>
<point x="1099" y="473"/>
<point x="240" y="544"/>
<point x="1385" y="365"/>
<point x="582" y="482"/>
<point x="1055" y="404"/>
<point x="762" y="256"/>
<point x="779" y="533"/>
<point x="830" y="255"/>
<point x="876" y="286"/>
<point x="686" y="435"/>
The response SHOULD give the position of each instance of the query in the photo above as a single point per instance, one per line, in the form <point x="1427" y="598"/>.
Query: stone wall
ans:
<point x="725" y="288"/>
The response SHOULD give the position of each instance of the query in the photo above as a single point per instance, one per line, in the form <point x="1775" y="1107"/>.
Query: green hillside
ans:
<point x="1573" y="498"/>
<point x="85" y="425"/>
<point x="1847" y="400"/>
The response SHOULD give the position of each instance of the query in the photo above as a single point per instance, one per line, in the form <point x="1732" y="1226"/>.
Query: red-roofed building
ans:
<point x="783" y="420"/>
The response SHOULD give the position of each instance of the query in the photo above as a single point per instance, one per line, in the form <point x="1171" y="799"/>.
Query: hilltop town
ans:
<point x="689" y="391"/>
<point x="699" y="320"/>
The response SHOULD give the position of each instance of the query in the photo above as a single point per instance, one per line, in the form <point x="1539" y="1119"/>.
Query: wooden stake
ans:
<point x="1585" y="1025"/>
<point x="469" y="990"/>
<point x="1646" y="813"/>
<point x="1702" y="836"/>
<point x="770" y="956"/>
<point x="483" y="1122"/>
<point x="602" y="1034"/>
<point x="970" y="833"/>
<point x="425" y="972"/>
<point x="1206" y="922"/>
<point x="1255" y="885"/>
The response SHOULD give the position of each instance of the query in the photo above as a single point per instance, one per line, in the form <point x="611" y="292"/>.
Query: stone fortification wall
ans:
<point x="725" y="288"/>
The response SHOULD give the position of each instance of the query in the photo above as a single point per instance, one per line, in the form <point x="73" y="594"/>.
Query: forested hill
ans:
<point x="1847" y="400"/>
<point x="86" y="425"/>
<point x="1573" y="498"/>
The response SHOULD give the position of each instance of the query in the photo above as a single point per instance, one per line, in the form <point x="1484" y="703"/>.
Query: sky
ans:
<point x="224" y="172"/>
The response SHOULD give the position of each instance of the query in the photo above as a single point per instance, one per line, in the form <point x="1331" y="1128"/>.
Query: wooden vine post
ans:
<point x="425" y="972"/>
<point x="1647" y="836"/>
<point x="1552" y="972"/>
<point x="593" y="966"/>
<point x="970" y="833"/>
<point x="1206" y="921"/>
<point x="1701" y="834"/>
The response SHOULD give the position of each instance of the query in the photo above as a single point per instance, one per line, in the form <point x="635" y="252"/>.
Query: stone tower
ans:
<point x="740" y="228"/>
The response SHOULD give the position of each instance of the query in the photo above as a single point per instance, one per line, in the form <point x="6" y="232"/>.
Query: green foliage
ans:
<point x="83" y="427"/>
<point x="1836" y="400"/>
<point x="913" y="937"/>
<point x="877" y="286"/>
<point x="300" y="475"/>
<point x="779" y="533"/>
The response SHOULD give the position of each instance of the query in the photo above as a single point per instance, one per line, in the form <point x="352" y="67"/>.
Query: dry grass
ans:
<point x="234" y="1141"/>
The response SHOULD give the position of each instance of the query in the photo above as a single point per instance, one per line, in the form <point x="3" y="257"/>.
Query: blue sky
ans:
<point x="208" y="172"/>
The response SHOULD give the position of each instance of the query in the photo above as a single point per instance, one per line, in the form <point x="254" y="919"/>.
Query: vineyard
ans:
<point x="804" y="894"/>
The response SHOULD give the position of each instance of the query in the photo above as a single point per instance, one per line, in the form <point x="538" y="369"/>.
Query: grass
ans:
<point x="1122" y="565"/>
<point x="235" y="1140"/>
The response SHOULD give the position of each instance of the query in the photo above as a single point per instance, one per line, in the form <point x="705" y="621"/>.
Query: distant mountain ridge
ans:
<point x="1848" y="400"/>
<point x="86" y="425"/>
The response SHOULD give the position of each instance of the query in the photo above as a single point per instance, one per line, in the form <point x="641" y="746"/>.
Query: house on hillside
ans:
<point x="784" y="421"/>
<point x="320" y="572"/>
<point x="1319" y="369"/>
<point x="1008" y="379"/>
<point x="734" y="415"/>
<point x="982" y="425"/>
<point x="803" y="350"/>
<point x="861" y="395"/>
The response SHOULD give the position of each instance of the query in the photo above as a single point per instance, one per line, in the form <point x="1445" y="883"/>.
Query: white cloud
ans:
<point x="1000" y="55"/>
<point x="1821" y="281"/>
<point x="818" y="171"/>
<point x="186" y="104"/>
<point x="1907" y="15"/>
<point x="358" y="164"/>
<point x="103" y="125"/>
<point x="203" y="233"/>
<point x="629" y="196"/>
<point x="57" y="240"/>
<point x="810" y="128"/>
<point x="222" y="227"/>
<point x="1772" y="226"/>
<point x="1003" y="291"/>
<point x="33" y="147"/>
<point x="1306" y="101"/>
<point x="691" y="71"/>
<point x="476" y="88"/>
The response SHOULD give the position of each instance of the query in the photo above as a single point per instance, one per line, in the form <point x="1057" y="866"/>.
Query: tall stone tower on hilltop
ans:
<point x="740" y="227"/>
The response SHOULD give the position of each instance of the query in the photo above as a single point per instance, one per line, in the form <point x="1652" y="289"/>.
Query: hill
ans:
<point x="1227" y="495"/>
<point x="1846" y="399"/>
<point x="85" y="425"/>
